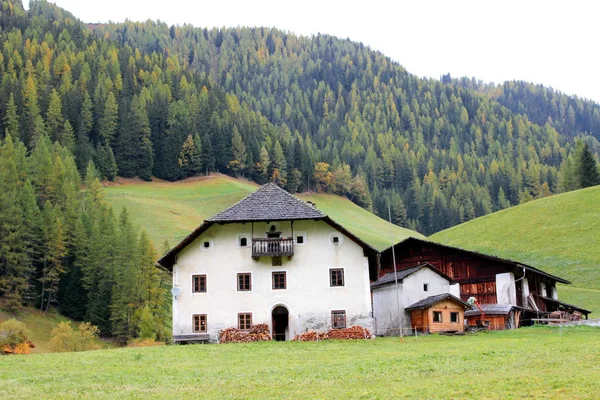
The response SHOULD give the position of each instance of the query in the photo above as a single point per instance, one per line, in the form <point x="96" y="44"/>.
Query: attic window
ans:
<point x="243" y="241"/>
<point x="335" y="240"/>
<point x="300" y="237"/>
<point x="206" y="244"/>
<point x="425" y="287"/>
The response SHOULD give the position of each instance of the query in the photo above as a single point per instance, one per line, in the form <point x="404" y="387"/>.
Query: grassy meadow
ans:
<point x="537" y="362"/>
<point x="171" y="210"/>
<point x="559" y="234"/>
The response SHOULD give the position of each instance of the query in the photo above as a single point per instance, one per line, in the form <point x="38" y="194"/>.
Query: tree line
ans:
<point x="319" y="113"/>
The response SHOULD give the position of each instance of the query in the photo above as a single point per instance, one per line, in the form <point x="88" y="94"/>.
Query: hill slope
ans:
<point x="171" y="210"/>
<point x="559" y="234"/>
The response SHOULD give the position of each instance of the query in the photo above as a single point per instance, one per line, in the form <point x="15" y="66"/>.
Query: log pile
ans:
<point x="355" y="332"/>
<point x="258" y="333"/>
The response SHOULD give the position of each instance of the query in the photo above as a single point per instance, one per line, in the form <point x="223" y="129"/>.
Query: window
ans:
<point x="206" y="244"/>
<point x="244" y="321"/>
<point x="425" y="287"/>
<point x="453" y="317"/>
<point x="336" y="277"/>
<point x="199" y="323"/>
<point x="279" y="280"/>
<point x="335" y="240"/>
<point x="198" y="283"/>
<point x="299" y="239"/>
<point x="338" y="319"/>
<point x="437" y="316"/>
<point x="243" y="241"/>
<point x="244" y="282"/>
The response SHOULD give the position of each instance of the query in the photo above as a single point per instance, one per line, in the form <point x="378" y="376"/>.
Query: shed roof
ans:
<point x="490" y="309"/>
<point x="401" y="275"/>
<point x="433" y="300"/>
<point x="565" y="306"/>
<point x="268" y="203"/>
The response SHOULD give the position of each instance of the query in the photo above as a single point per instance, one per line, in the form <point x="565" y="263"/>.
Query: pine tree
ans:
<point x="11" y="119"/>
<point x="54" y="116"/>
<point x="189" y="158"/>
<point x="109" y="121"/>
<point x="238" y="149"/>
<point x="588" y="175"/>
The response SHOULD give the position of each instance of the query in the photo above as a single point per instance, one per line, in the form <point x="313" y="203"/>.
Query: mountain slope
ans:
<point x="559" y="234"/>
<point x="171" y="210"/>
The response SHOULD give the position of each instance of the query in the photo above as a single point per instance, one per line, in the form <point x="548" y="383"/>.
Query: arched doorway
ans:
<point x="280" y="316"/>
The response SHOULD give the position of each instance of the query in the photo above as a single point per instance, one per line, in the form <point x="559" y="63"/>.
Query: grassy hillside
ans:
<point x="40" y="327"/>
<point x="171" y="210"/>
<point x="559" y="234"/>
<point x="538" y="362"/>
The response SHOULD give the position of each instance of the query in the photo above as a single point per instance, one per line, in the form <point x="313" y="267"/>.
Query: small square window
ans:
<point x="425" y="287"/>
<point x="437" y="316"/>
<point x="243" y="241"/>
<point x="300" y="239"/>
<point x="244" y="282"/>
<point x="454" y="317"/>
<point x="279" y="281"/>
<point x="198" y="283"/>
<point x="338" y="319"/>
<point x="336" y="277"/>
<point x="206" y="244"/>
<point x="199" y="323"/>
<point x="335" y="239"/>
<point x="244" y="321"/>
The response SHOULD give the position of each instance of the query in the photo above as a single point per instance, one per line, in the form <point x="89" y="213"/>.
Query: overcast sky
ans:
<point x="549" y="42"/>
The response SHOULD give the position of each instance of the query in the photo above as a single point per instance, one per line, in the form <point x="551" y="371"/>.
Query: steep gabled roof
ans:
<point x="505" y="261"/>
<point x="268" y="203"/>
<point x="389" y="277"/>
<point x="432" y="300"/>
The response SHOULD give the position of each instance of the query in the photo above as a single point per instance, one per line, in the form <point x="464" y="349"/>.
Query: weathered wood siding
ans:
<point x="497" y="322"/>
<point x="422" y="320"/>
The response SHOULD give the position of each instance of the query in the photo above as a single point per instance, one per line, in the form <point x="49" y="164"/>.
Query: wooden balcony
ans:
<point x="272" y="247"/>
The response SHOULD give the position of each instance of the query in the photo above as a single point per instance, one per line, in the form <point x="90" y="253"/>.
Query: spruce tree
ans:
<point x="588" y="175"/>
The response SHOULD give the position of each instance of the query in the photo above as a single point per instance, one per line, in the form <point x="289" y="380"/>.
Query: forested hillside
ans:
<point x="146" y="99"/>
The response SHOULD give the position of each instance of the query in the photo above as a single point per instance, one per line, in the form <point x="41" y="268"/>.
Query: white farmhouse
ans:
<point x="269" y="259"/>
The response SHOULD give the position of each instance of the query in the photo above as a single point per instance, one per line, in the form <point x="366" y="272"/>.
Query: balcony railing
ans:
<point x="272" y="247"/>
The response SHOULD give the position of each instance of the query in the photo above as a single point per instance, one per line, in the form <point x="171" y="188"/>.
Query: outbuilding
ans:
<point x="440" y="313"/>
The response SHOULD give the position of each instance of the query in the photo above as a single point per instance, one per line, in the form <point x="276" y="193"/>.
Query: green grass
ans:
<point x="40" y="327"/>
<point x="559" y="234"/>
<point x="171" y="210"/>
<point x="538" y="362"/>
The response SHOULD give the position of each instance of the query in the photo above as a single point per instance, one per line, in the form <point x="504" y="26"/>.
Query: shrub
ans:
<point x="64" y="338"/>
<point x="145" y="343"/>
<point x="12" y="334"/>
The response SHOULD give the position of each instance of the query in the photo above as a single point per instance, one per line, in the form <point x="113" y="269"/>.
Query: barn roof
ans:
<point x="511" y="263"/>
<point x="401" y="275"/>
<point x="268" y="203"/>
<point x="490" y="309"/>
<point x="433" y="300"/>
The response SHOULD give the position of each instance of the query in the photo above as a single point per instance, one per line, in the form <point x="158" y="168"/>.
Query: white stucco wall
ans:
<point x="505" y="288"/>
<point x="308" y="296"/>
<point x="385" y="308"/>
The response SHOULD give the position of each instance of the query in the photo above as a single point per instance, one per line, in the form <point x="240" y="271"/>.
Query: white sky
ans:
<point x="549" y="42"/>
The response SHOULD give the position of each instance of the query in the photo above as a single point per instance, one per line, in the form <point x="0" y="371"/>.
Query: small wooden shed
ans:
<point x="497" y="316"/>
<point x="440" y="313"/>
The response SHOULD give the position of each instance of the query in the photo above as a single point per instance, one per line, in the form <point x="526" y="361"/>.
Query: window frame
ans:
<point x="452" y="314"/>
<point x="338" y="316"/>
<point x="199" y="324"/>
<point x="441" y="319"/>
<point x="199" y="276"/>
<point x="426" y="287"/>
<point x="273" y="280"/>
<point x="238" y="276"/>
<point x="331" y="277"/>
<point x="247" y="321"/>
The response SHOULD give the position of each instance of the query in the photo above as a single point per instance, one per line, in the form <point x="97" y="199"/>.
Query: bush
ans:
<point x="145" y="343"/>
<point x="12" y="334"/>
<point x="64" y="338"/>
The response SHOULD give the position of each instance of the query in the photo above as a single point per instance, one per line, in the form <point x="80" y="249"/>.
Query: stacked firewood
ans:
<point x="355" y="332"/>
<point x="311" y="336"/>
<point x="258" y="333"/>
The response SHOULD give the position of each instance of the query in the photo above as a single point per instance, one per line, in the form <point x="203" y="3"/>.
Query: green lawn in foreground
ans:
<point x="171" y="210"/>
<point x="558" y="234"/>
<point x="538" y="362"/>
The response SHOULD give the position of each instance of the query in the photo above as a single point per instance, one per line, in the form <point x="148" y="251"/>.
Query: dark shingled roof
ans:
<point x="490" y="309"/>
<point x="268" y="203"/>
<point x="432" y="300"/>
<point x="389" y="277"/>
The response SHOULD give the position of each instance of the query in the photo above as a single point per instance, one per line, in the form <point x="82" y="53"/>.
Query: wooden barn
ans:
<point x="496" y="316"/>
<point x="489" y="279"/>
<point x="440" y="313"/>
